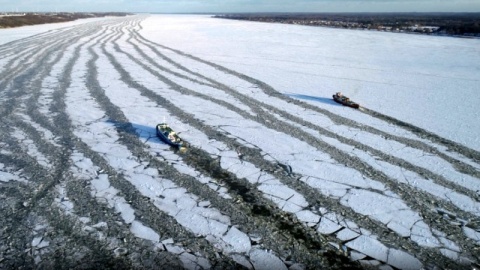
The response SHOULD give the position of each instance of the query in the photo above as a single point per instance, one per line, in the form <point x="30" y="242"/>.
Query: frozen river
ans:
<point x="275" y="175"/>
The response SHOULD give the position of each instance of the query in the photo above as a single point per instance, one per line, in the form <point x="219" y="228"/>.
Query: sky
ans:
<point x="211" y="6"/>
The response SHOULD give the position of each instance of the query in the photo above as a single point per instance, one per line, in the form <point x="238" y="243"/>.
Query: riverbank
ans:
<point x="24" y="19"/>
<point x="442" y="24"/>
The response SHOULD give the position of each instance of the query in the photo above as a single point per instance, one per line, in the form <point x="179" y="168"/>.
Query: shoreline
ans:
<point x="449" y="25"/>
<point x="8" y="21"/>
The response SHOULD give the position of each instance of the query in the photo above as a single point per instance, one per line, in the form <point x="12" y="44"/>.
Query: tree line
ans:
<point x="16" y="20"/>
<point x="445" y="23"/>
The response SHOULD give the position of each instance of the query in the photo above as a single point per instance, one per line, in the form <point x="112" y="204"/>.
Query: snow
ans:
<point x="12" y="34"/>
<point x="350" y="158"/>
<point x="373" y="68"/>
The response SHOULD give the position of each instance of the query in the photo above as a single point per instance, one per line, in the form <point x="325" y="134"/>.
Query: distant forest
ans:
<point x="457" y="24"/>
<point x="16" y="20"/>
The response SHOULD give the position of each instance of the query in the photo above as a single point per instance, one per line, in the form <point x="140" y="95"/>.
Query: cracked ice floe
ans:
<point x="47" y="134"/>
<point x="142" y="231"/>
<point x="384" y="126"/>
<point x="458" y="156"/>
<point x="472" y="234"/>
<point x="418" y="157"/>
<point x="159" y="60"/>
<point x="265" y="260"/>
<point x="306" y="114"/>
<point x="203" y="89"/>
<point x="207" y="69"/>
<point x="189" y="260"/>
<point x="138" y="229"/>
<point x="396" y="215"/>
<point x="451" y="250"/>
<point x="328" y="222"/>
<point x="164" y="194"/>
<point x="255" y="176"/>
<point x="40" y="238"/>
<point x="183" y="207"/>
<point x="402" y="175"/>
<point x="363" y="242"/>
<point x="391" y="211"/>
<point x="286" y="198"/>
<point x="39" y="242"/>
<point x="51" y="82"/>
<point x="102" y="189"/>
<point x="83" y="166"/>
<point x="222" y="191"/>
<point x="254" y="138"/>
<point x="31" y="148"/>
<point x="145" y="127"/>
<point x="242" y="132"/>
<point x="405" y="176"/>
<point x="302" y="158"/>
<point x="448" y="244"/>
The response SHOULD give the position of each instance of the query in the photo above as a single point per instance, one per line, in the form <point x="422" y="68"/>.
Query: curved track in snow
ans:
<point x="266" y="182"/>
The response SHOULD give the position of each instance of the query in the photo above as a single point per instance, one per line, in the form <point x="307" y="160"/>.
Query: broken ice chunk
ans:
<point x="262" y="259"/>
<point x="326" y="226"/>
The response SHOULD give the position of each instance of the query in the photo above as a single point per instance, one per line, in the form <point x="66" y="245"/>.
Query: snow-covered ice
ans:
<point x="254" y="98"/>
